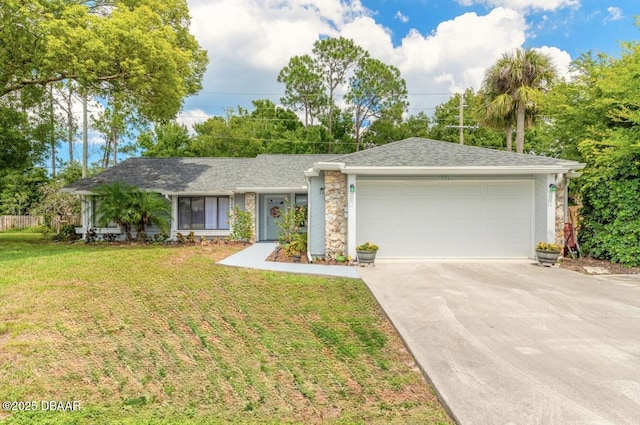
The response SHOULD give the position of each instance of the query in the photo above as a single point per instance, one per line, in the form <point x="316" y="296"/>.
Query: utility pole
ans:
<point x="461" y="125"/>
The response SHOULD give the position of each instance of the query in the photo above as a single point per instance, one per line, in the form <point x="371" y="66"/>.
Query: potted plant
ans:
<point x="547" y="253"/>
<point x="367" y="253"/>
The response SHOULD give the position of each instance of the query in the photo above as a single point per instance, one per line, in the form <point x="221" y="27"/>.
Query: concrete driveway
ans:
<point x="509" y="342"/>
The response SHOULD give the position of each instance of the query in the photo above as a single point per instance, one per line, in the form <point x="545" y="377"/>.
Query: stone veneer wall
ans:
<point x="335" y="201"/>
<point x="250" y="206"/>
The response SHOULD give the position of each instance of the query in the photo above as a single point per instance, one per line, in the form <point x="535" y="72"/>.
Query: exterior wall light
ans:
<point x="322" y="190"/>
<point x="553" y="187"/>
<point x="352" y="188"/>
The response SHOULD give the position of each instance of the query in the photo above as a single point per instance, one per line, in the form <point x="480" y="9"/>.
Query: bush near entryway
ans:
<point x="610" y="225"/>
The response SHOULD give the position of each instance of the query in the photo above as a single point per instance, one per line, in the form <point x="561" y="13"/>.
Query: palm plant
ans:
<point x="127" y="206"/>
<point x="514" y="84"/>
<point x="150" y="208"/>
<point x="116" y="204"/>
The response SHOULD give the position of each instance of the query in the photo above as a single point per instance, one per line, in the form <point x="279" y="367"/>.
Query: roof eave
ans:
<point x="270" y="189"/>
<point x="540" y="169"/>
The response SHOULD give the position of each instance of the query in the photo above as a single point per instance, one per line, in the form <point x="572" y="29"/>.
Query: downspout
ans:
<point x="308" y="181"/>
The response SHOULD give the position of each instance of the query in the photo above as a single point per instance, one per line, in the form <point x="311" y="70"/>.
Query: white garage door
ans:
<point x="446" y="219"/>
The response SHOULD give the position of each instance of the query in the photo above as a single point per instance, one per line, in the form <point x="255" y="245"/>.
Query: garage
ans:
<point x="446" y="218"/>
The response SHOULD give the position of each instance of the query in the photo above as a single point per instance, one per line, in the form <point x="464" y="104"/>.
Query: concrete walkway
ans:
<point x="253" y="257"/>
<point x="514" y="343"/>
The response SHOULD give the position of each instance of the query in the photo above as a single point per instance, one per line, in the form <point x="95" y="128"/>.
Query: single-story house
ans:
<point x="415" y="198"/>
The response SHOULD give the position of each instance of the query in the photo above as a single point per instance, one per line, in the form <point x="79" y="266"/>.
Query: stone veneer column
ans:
<point x="335" y="201"/>
<point x="560" y="219"/>
<point x="250" y="206"/>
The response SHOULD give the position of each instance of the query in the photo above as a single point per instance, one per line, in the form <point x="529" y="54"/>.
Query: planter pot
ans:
<point x="296" y="258"/>
<point x="547" y="257"/>
<point x="340" y="259"/>
<point x="366" y="257"/>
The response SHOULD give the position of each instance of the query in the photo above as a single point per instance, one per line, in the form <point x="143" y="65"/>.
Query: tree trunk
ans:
<point x="509" y="135"/>
<point x="70" y="123"/>
<point x="520" y="128"/>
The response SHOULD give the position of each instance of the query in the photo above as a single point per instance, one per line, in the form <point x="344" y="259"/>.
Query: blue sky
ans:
<point x="579" y="27"/>
<point x="440" y="46"/>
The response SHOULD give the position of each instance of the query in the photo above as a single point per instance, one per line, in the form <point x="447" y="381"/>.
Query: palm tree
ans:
<point x="150" y="208"/>
<point x="115" y="204"/>
<point x="514" y="83"/>
<point x="497" y="113"/>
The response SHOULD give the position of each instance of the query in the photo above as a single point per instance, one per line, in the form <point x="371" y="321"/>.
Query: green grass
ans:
<point x="20" y="236"/>
<point x="161" y="335"/>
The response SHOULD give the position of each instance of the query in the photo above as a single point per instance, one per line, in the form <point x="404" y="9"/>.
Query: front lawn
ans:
<point x="159" y="334"/>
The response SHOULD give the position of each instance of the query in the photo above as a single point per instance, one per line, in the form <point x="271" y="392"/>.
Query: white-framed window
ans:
<point x="203" y="212"/>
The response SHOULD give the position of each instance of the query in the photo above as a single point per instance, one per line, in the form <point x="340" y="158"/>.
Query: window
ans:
<point x="203" y="213"/>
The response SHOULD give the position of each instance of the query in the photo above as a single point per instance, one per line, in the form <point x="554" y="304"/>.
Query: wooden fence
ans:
<point x="8" y="222"/>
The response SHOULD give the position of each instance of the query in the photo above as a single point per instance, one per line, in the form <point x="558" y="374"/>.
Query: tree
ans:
<point x="150" y="209"/>
<point x="497" y="113"/>
<point x="125" y="205"/>
<point x="515" y="83"/>
<point x="21" y="143"/>
<point x="334" y="57"/>
<point x="116" y="204"/>
<point x="141" y="49"/>
<point x="376" y="89"/>
<point x="165" y="140"/>
<point x="608" y="94"/>
<point x="446" y="119"/>
<point x="54" y="203"/>
<point x="19" y="190"/>
<point x="304" y="90"/>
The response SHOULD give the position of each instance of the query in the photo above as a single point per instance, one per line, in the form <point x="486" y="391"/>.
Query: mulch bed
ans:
<point x="281" y="256"/>
<point x="579" y="264"/>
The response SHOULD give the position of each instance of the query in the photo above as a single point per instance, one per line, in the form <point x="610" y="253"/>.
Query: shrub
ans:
<point x="242" y="227"/>
<point x="610" y="222"/>
<point x="292" y="219"/>
<point x="67" y="233"/>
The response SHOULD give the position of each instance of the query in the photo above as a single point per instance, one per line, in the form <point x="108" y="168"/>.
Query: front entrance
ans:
<point x="274" y="206"/>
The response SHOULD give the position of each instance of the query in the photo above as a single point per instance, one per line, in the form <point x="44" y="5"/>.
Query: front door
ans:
<point x="275" y="207"/>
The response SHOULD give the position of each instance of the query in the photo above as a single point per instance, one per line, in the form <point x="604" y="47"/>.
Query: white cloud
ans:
<point x="615" y="13"/>
<point x="249" y="41"/>
<point x="524" y="4"/>
<point x="401" y="17"/>
<point x="192" y="116"/>
<point x="560" y="58"/>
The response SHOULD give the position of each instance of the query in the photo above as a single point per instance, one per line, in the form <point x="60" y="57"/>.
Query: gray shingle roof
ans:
<point x="419" y="152"/>
<point x="206" y="175"/>
<point x="280" y="170"/>
<point x="224" y="175"/>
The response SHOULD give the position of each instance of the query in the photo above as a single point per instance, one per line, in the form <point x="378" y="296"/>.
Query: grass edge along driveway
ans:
<point x="159" y="334"/>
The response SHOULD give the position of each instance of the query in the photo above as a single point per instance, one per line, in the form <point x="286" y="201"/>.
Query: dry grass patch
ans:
<point x="162" y="335"/>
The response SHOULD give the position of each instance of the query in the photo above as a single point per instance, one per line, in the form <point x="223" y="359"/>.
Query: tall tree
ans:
<point x="141" y="49"/>
<point x="303" y="87"/>
<point x="165" y="140"/>
<point x="334" y="57"/>
<point x="376" y="89"/>
<point x="516" y="82"/>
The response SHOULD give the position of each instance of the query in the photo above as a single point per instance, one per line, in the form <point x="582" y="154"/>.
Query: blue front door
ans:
<point x="274" y="208"/>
